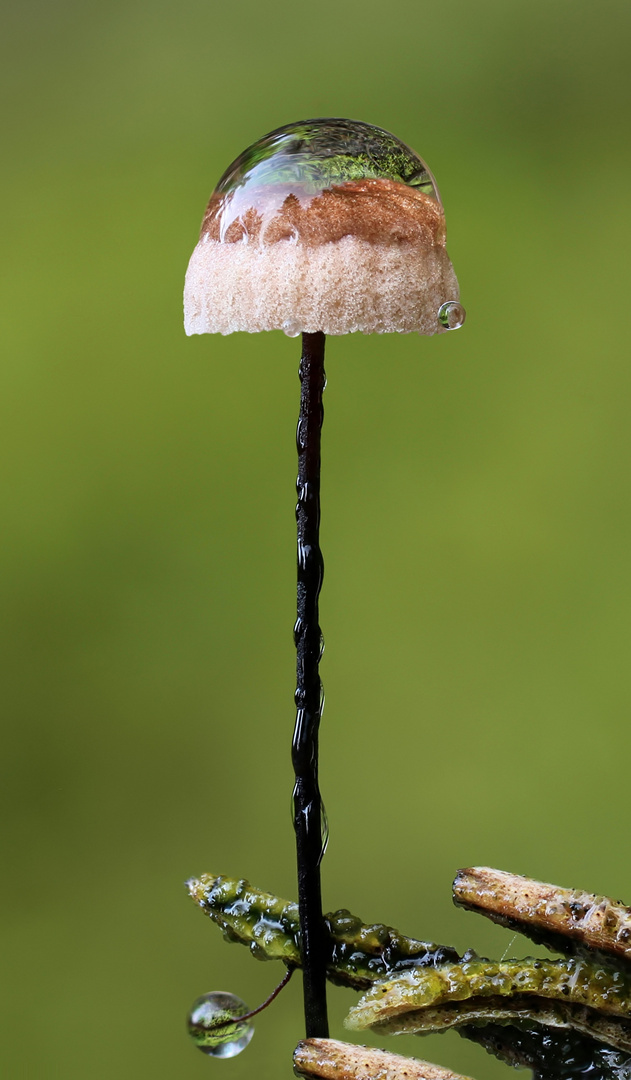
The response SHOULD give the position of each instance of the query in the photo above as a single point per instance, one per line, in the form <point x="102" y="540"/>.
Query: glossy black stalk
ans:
<point x="307" y="802"/>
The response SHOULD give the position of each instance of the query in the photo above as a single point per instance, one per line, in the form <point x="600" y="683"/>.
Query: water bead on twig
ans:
<point x="214" y="1026"/>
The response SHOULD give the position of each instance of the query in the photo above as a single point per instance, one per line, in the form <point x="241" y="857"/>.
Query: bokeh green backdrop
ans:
<point x="476" y="510"/>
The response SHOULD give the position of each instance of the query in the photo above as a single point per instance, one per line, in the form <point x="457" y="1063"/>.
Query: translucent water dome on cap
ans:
<point x="298" y="163"/>
<point x="331" y="225"/>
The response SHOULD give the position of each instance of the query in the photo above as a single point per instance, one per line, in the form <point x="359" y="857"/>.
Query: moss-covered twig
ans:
<point x="356" y="954"/>
<point x="592" y="999"/>
<point x="562" y="1018"/>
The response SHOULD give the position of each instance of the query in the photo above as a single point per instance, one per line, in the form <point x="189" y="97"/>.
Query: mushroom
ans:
<point x="326" y="226"/>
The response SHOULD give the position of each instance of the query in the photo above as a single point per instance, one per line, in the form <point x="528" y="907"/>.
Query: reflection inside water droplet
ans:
<point x="213" y="1028"/>
<point x="451" y="315"/>
<point x="305" y="183"/>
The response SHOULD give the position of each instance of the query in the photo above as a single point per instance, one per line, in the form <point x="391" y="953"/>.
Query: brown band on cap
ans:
<point x="379" y="211"/>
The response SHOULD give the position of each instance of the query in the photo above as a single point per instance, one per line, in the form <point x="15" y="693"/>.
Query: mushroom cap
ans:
<point x="330" y="225"/>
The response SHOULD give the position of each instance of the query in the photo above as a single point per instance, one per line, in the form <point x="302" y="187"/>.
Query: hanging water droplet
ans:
<point x="451" y="315"/>
<point x="213" y="1026"/>
<point x="324" y="831"/>
<point x="291" y="328"/>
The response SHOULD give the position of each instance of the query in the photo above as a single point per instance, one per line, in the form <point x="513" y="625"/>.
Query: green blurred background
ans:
<point x="476" y="525"/>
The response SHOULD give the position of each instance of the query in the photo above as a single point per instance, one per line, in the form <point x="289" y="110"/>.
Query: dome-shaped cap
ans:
<point x="330" y="225"/>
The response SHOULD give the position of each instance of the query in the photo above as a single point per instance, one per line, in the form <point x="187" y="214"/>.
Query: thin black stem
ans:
<point x="268" y="1001"/>
<point x="307" y="801"/>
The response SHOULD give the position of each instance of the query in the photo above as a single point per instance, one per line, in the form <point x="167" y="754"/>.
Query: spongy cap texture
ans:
<point x="337" y="287"/>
